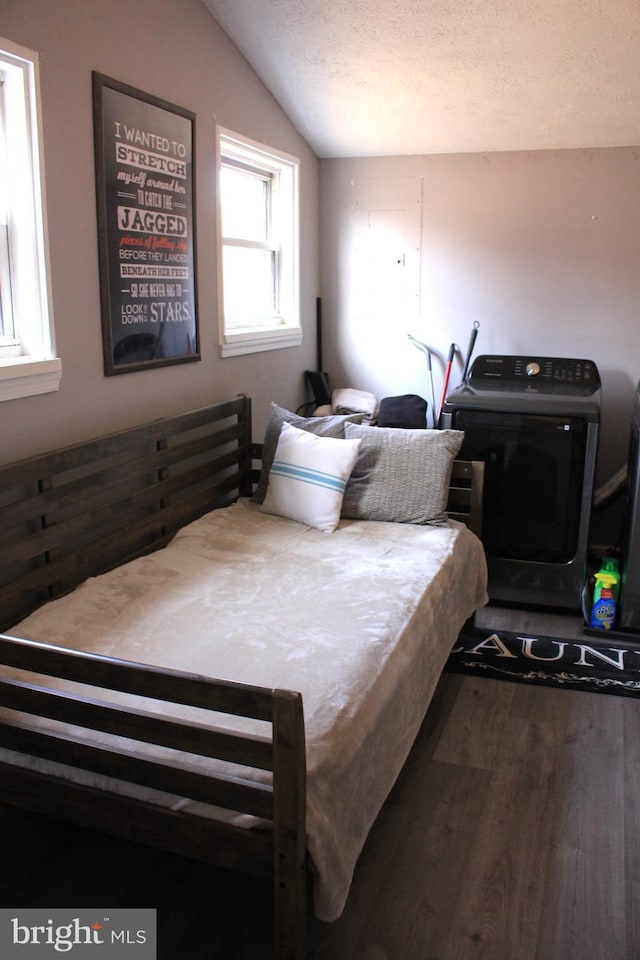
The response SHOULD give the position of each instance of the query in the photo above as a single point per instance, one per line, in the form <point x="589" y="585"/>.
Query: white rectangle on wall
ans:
<point x="386" y="251"/>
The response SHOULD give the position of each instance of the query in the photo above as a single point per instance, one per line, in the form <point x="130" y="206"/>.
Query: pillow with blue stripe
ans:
<point x="332" y="426"/>
<point x="308" y="477"/>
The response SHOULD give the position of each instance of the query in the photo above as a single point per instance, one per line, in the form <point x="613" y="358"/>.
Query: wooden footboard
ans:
<point x="276" y="848"/>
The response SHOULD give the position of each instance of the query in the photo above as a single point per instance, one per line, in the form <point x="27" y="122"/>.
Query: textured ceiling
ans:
<point x="395" y="77"/>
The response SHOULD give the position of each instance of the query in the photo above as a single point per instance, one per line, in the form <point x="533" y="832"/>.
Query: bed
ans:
<point x="184" y="666"/>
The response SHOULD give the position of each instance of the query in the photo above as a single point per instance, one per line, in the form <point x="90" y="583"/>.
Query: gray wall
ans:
<point x="540" y="248"/>
<point x="175" y="50"/>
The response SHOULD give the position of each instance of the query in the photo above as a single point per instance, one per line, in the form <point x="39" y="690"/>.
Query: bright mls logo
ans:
<point x="81" y="934"/>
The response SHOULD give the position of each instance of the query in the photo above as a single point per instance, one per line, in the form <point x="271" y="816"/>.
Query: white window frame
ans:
<point x="28" y="362"/>
<point x="283" y="327"/>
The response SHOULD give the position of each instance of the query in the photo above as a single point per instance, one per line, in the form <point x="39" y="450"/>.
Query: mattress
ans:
<point x="360" y="621"/>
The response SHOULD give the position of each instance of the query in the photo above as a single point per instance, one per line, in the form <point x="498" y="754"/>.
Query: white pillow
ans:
<point x="308" y="477"/>
<point x="325" y="426"/>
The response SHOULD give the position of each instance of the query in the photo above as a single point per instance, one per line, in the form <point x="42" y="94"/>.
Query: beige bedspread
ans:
<point x="360" y="621"/>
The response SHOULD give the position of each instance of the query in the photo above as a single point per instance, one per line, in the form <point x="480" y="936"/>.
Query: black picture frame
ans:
<point x="145" y="175"/>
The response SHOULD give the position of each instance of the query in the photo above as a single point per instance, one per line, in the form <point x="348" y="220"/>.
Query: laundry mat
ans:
<point x="597" y="666"/>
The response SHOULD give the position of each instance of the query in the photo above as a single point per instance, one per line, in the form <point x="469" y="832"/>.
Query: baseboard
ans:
<point x="625" y="637"/>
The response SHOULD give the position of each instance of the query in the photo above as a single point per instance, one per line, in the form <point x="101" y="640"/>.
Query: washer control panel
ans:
<point x="553" y="370"/>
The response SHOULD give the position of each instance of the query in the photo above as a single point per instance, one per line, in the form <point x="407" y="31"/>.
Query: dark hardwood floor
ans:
<point x="513" y="833"/>
<point x="202" y="913"/>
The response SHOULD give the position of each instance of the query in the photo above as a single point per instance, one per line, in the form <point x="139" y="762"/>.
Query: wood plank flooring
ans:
<point x="513" y="833"/>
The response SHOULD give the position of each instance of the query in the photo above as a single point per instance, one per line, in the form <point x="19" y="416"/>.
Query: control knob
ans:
<point x="532" y="369"/>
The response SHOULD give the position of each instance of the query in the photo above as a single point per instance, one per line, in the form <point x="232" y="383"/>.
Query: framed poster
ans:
<point x="144" y="149"/>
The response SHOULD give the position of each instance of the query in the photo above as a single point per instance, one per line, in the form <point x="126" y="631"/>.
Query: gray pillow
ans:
<point x="400" y="475"/>
<point x="322" y="426"/>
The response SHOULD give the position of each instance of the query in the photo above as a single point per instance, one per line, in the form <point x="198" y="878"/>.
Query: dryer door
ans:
<point x="534" y="476"/>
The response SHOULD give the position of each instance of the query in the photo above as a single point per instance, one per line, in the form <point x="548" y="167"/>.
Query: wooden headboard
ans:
<point x="73" y="513"/>
<point x="77" y="512"/>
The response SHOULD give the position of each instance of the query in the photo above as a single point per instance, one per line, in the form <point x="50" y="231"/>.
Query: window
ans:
<point x="258" y="217"/>
<point x="27" y="353"/>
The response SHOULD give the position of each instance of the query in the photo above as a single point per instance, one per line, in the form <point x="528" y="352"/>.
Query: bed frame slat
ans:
<point x="74" y="515"/>
<point x="116" y="478"/>
<point x="201" y="838"/>
<point x="158" y="683"/>
<point x="221" y="790"/>
<point x="136" y="724"/>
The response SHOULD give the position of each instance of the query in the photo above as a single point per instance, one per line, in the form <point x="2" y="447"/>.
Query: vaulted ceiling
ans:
<point x="396" y="77"/>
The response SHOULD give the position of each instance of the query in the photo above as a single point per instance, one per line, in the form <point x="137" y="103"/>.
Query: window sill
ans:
<point x="236" y="344"/>
<point x="26" y="377"/>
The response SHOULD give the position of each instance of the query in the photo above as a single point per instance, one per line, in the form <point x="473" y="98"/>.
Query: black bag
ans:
<point x="408" y="411"/>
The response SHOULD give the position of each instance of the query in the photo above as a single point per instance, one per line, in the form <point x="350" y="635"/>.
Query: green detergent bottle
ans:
<point x="605" y="596"/>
